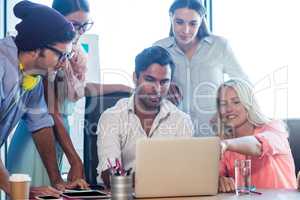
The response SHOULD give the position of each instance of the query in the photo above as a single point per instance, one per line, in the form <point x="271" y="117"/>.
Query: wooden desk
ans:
<point x="266" y="195"/>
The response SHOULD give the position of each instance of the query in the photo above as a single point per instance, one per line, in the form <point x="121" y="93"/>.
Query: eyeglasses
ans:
<point x="62" y="56"/>
<point x="83" y="27"/>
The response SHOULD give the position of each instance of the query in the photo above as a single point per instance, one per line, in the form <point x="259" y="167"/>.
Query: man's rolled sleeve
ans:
<point x="108" y="141"/>
<point x="40" y="121"/>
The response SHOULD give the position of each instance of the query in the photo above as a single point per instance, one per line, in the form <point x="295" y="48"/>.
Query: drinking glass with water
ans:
<point x="242" y="176"/>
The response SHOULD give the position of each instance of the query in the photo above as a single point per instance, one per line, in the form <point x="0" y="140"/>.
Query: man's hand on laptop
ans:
<point x="226" y="184"/>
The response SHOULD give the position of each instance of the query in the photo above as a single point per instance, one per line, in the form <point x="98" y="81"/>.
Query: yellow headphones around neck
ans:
<point x="29" y="82"/>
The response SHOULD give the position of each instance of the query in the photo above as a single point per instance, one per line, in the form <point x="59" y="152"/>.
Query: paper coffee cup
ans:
<point x="19" y="186"/>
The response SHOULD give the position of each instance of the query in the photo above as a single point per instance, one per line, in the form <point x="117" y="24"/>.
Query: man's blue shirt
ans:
<point x="31" y="106"/>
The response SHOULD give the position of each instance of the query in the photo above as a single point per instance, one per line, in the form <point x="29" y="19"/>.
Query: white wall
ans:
<point x="126" y="27"/>
<point x="265" y="37"/>
<point x="11" y="19"/>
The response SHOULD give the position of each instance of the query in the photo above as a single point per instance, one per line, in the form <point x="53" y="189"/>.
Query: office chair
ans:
<point x="94" y="107"/>
<point x="294" y="140"/>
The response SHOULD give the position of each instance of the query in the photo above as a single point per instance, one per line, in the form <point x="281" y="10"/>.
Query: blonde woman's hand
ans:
<point x="224" y="147"/>
<point x="226" y="184"/>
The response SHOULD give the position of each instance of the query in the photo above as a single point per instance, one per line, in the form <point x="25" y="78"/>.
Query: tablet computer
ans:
<point x="86" y="194"/>
<point x="48" y="197"/>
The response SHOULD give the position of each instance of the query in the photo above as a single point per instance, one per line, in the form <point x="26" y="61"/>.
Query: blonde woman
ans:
<point x="252" y="136"/>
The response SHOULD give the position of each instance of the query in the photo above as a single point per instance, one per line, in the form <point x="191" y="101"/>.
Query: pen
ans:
<point x="255" y="192"/>
<point x="128" y="171"/>
<point x="109" y="163"/>
<point x="120" y="167"/>
<point x="112" y="169"/>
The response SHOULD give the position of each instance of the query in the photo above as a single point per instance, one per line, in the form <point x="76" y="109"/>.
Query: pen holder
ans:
<point x="121" y="187"/>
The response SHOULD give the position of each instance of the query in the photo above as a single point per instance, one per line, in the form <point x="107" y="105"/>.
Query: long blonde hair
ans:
<point x="245" y="93"/>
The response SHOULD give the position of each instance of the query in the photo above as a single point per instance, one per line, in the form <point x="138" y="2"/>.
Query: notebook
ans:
<point x="177" y="167"/>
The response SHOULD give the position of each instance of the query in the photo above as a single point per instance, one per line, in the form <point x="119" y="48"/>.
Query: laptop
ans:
<point x="177" y="167"/>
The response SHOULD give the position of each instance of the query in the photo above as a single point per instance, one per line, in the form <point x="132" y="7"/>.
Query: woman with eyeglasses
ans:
<point x="201" y="60"/>
<point x="61" y="94"/>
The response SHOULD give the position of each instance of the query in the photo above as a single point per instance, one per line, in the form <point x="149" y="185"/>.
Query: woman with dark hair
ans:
<point x="201" y="61"/>
<point x="76" y="11"/>
<point x="62" y="90"/>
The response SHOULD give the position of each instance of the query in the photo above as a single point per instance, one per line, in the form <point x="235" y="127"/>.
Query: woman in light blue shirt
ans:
<point x="201" y="61"/>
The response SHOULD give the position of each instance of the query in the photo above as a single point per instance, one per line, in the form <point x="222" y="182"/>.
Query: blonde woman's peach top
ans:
<point x="274" y="168"/>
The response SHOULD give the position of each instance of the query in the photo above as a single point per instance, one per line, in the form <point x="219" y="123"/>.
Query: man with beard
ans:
<point x="41" y="46"/>
<point x="146" y="114"/>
